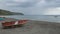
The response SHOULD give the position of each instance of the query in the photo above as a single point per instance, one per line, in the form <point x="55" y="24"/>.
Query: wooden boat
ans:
<point x="13" y="24"/>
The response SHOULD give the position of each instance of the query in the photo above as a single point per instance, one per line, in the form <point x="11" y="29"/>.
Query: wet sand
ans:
<point x="34" y="27"/>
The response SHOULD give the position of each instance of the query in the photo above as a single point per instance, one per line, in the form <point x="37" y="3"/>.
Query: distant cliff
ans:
<point x="5" y="12"/>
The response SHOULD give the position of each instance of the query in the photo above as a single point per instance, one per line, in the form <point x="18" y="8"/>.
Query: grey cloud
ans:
<point x="53" y="2"/>
<point x="23" y="4"/>
<point x="31" y="6"/>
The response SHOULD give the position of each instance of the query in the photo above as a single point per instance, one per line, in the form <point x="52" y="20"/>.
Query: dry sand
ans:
<point x="34" y="27"/>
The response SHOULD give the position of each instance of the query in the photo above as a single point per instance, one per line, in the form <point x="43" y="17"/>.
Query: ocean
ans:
<point x="50" y="18"/>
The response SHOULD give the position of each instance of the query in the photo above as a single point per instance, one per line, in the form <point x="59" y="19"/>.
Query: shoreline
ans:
<point x="34" y="27"/>
<point x="35" y="21"/>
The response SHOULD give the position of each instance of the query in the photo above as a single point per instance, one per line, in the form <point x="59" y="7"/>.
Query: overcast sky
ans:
<point x="32" y="7"/>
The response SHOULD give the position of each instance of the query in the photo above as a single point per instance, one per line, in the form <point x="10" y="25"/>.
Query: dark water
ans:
<point x="51" y="18"/>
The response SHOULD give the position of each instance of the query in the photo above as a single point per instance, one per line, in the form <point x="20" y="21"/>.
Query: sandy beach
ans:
<point x="34" y="27"/>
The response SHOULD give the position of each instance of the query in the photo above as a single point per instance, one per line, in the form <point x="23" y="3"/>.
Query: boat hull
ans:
<point x="14" y="24"/>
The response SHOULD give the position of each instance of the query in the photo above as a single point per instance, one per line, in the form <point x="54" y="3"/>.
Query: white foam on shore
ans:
<point x="37" y="18"/>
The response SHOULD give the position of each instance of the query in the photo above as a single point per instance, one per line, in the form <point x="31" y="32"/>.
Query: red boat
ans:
<point x="14" y="24"/>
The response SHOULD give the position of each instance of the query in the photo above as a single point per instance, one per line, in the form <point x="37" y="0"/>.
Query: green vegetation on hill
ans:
<point x="5" y="12"/>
